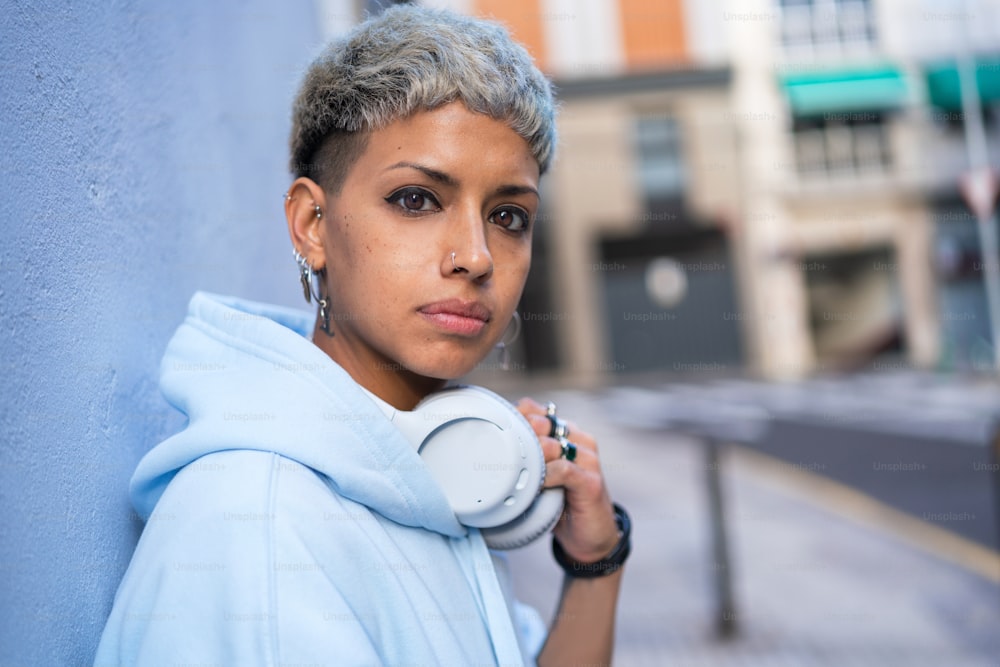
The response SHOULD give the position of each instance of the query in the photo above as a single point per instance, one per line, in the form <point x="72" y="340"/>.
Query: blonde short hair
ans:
<point x="409" y="59"/>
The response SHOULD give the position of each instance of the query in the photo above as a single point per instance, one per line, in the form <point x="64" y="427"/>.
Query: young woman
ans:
<point x="290" y="522"/>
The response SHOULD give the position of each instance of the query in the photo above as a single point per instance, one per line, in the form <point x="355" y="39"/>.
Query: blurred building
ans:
<point x="633" y="266"/>
<point x="764" y="184"/>
<point x="854" y="238"/>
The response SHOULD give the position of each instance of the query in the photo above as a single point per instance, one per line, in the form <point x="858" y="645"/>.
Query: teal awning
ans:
<point x="942" y="83"/>
<point x="821" y="93"/>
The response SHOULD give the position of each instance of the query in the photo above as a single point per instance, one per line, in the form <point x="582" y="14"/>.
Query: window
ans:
<point x="661" y="163"/>
<point x="827" y="28"/>
<point x="847" y="144"/>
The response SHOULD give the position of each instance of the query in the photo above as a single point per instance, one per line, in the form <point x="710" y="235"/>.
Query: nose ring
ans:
<point x="454" y="265"/>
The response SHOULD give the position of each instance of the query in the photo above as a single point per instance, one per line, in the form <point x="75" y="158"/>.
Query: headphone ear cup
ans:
<point x="479" y="469"/>
<point x="488" y="461"/>
<point x="539" y="519"/>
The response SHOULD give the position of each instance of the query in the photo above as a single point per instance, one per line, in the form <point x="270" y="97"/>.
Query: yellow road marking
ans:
<point x="851" y="504"/>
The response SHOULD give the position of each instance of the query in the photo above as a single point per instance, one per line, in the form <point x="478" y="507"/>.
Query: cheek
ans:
<point x="519" y="263"/>
<point x="381" y="277"/>
<point x="408" y="260"/>
<point x="357" y="250"/>
<point x="353" y="269"/>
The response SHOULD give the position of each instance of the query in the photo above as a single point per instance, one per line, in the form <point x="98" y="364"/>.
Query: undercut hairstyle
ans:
<point x="410" y="59"/>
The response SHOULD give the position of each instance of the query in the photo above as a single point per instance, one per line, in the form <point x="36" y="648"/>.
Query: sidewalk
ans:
<point x="819" y="580"/>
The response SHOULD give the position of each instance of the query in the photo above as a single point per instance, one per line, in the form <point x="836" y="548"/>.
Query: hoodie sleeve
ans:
<point x="203" y="584"/>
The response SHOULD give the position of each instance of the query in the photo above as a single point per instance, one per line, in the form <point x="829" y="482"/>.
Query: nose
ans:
<point x="467" y="249"/>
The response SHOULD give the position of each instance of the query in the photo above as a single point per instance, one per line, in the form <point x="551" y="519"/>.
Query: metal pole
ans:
<point x="975" y="145"/>
<point x="996" y="476"/>
<point x="725" y="623"/>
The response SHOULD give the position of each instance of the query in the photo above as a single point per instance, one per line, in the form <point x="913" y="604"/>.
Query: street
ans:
<point x="823" y="574"/>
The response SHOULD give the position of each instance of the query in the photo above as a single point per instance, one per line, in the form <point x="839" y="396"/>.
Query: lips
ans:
<point x="466" y="318"/>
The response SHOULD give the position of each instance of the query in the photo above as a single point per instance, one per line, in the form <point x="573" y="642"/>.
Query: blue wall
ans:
<point x="142" y="157"/>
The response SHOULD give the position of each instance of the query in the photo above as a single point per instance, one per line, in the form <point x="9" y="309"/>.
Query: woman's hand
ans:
<point x="587" y="529"/>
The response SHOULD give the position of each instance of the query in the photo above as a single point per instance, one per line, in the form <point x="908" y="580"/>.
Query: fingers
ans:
<point x="534" y="412"/>
<point x="583" y="474"/>
<point x="540" y="423"/>
<point x="530" y="406"/>
<point x="587" y="530"/>
<point x="560" y="471"/>
<point x="551" y="449"/>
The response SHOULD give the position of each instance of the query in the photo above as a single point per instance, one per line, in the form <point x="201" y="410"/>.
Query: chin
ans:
<point x="449" y="367"/>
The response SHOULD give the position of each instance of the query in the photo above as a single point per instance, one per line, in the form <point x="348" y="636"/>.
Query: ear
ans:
<point x="305" y="225"/>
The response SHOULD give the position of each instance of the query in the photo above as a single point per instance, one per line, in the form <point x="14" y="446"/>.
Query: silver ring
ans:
<point x="550" y="409"/>
<point x="557" y="427"/>
<point x="453" y="264"/>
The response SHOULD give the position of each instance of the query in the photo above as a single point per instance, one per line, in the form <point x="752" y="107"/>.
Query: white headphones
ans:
<point x="487" y="460"/>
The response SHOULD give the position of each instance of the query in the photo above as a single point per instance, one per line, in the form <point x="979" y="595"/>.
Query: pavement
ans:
<point x="823" y="574"/>
<point x="924" y="443"/>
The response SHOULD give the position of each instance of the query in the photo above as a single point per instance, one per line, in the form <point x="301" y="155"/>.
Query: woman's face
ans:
<point x="427" y="246"/>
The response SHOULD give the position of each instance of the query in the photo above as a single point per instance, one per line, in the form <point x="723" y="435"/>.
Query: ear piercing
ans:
<point x="306" y="276"/>
<point x="316" y="208"/>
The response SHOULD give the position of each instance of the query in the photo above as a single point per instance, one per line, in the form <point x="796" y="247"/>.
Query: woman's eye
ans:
<point x="511" y="218"/>
<point x="414" y="200"/>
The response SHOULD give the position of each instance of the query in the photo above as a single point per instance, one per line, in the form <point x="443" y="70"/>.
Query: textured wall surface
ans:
<point x="142" y="157"/>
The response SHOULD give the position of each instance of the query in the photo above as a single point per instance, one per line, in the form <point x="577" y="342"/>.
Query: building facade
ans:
<point x="851" y="160"/>
<point x="769" y="185"/>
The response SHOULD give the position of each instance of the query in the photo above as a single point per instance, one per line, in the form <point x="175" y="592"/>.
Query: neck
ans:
<point x="397" y="386"/>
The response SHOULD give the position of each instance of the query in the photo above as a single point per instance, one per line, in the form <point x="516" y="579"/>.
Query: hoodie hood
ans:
<point x="247" y="377"/>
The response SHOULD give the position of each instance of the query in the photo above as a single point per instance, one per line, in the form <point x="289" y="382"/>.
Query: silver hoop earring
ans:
<point x="504" y="343"/>
<point x="306" y="274"/>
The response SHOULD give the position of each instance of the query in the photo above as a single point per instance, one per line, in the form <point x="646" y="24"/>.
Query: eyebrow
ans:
<point x="433" y="174"/>
<point x="451" y="181"/>
<point x="512" y="190"/>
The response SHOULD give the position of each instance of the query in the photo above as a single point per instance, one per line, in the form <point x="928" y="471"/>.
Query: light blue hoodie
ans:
<point x="291" y="524"/>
